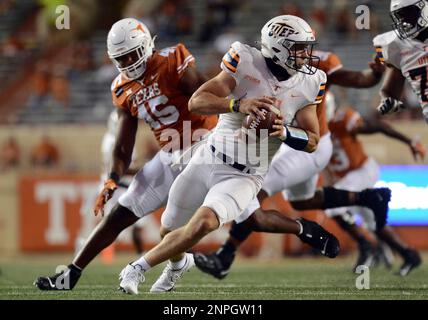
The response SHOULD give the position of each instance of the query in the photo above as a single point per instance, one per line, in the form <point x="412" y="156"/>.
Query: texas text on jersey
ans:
<point x="156" y="97"/>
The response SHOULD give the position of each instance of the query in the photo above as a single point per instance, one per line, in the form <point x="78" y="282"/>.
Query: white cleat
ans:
<point x="130" y="277"/>
<point x="169" y="276"/>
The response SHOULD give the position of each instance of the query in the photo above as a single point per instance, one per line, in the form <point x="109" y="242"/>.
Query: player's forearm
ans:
<point x="367" y="78"/>
<point x="355" y="79"/>
<point x="313" y="140"/>
<point x="392" y="133"/>
<point x="121" y="161"/>
<point x="363" y="79"/>
<point x="206" y="103"/>
<point x="374" y="126"/>
<point x="387" y="93"/>
<point x="300" y="139"/>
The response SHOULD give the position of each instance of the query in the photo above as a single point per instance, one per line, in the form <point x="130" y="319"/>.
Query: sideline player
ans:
<point x="353" y="170"/>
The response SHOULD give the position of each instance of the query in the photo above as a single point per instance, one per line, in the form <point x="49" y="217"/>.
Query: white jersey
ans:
<point x="253" y="80"/>
<point x="411" y="57"/>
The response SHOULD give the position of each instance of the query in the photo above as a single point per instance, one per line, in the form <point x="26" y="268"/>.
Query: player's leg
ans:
<point x="345" y="218"/>
<point x="148" y="191"/>
<point x="376" y="199"/>
<point x="230" y="193"/>
<point x="411" y="257"/>
<point x="348" y="193"/>
<point x="288" y="168"/>
<point x="137" y="239"/>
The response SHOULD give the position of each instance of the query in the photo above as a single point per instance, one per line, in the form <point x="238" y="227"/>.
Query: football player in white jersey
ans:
<point x="224" y="176"/>
<point x="405" y="52"/>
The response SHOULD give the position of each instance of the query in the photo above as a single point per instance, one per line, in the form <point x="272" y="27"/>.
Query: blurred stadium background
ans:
<point x="55" y="101"/>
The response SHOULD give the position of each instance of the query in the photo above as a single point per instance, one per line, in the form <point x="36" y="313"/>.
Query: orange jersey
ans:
<point x="329" y="63"/>
<point x="156" y="97"/>
<point x="348" y="152"/>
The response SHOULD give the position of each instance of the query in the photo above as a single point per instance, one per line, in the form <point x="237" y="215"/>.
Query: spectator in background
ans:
<point x="40" y="86"/>
<point x="142" y="11"/>
<point x="318" y="17"/>
<point x="291" y="9"/>
<point x="10" y="154"/>
<point x="45" y="154"/>
<point x="344" y="26"/>
<point x="221" y="46"/>
<point x="82" y="57"/>
<point x="107" y="71"/>
<point x="59" y="88"/>
<point x="218" y="16"/>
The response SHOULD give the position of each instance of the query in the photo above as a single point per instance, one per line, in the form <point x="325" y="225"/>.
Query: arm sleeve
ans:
<point x="386" y="49"/>
<point x="179" y="60"/>
<point x="333" y="64"/>
<point x="118" y="93"/>
<point x="317" y="88"/>
<point x="352" y="120"/>
<point x="233" y="61"/>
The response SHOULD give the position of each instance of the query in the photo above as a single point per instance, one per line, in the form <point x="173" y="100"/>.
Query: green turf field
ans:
<point x="288" y="278"/>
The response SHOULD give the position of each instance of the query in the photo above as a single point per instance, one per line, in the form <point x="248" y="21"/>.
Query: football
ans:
<point x="258" y="124"/>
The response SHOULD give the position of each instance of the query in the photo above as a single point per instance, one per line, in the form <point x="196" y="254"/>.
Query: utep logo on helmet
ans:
<point x="281" y="30"/>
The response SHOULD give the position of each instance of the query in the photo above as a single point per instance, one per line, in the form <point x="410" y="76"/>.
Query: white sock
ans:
<point x="142" y="263"/>
<point x="301" y="227"/>
<point x="177" y="265"/>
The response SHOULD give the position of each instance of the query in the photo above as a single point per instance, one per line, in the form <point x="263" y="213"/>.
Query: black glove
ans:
<point x="390" y="105"/>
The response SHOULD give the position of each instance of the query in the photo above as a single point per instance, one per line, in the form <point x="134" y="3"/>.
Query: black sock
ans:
<point x="239" y="231"/>
<point x="363" y="243"/>
<point x="227" y="250"/>
<point x="335" y="198"/>
<point x="75" y="269"/>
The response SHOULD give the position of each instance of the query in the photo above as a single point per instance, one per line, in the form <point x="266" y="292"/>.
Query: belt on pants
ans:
<point x="226" y="160"/>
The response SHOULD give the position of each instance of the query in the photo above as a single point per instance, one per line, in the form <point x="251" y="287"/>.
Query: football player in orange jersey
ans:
<point x="296" y="174"/>
<point x="155" y="86"/>
<point x="353" y="170"/>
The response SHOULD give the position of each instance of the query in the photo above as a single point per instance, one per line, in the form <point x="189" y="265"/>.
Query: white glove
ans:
<point x="390" y="105"/>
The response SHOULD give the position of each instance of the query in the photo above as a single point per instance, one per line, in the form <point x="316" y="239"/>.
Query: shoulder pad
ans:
<point x="385" y="39"/>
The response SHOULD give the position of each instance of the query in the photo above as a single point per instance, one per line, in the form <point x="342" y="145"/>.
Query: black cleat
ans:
<point x="62" y="281"/>
<point x="365" y="256"/>
<point x="412" y="259"/>
<point x="377" y="200"/>
<point x="212" y="264"/>
<point x="319" y="238"/>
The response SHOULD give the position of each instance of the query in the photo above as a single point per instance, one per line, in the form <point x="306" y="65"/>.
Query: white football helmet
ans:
<point x="129" y="46"/>
<point x="409" y="17"/>
<point x="285" y="39"/>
